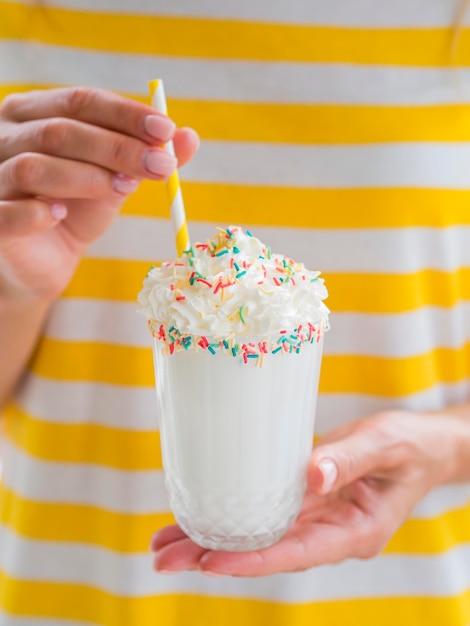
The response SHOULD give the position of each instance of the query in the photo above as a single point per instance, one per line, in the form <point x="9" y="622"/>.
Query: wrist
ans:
<point x="458" y="424"/>
<point x="455" y="442"/>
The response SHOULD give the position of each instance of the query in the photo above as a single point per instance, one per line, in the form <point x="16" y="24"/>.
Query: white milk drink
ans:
<point x="238" y="334"/>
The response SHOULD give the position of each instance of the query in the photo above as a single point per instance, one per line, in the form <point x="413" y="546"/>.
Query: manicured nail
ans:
<point x="167" y="572"/>
<point x="58" y="210"/>
<point x="212" y="574"/>
<point x="160" y="127"/>
<point x="196" y="138"/>
<point x="124" y="184"/>
<point x="330" y="473"/>
<point x="159" y="162"/>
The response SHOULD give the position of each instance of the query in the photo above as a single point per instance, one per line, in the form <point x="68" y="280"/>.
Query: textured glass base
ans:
<point x="243" y="543"/>
<point x="236" y="522"/>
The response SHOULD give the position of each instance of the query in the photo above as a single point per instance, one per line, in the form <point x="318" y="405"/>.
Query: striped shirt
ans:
<point x="339" y="133"/>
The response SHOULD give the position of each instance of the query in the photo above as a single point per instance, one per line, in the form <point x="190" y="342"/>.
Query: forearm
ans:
<point x="20" y="328"/>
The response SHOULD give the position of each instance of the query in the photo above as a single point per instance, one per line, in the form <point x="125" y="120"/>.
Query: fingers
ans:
<point x="304" y="546"/>
<point x="26" y="217"/>
<point x="186" y="142"/>
<point x="364" y="452"/>
<point x="31" y="174"/>
<point x="166" y="536"/>
<point x="174" y="551"/>
<point x="179" y="555"/>
<point x="73" y="140"/>
<point x="94" y="106"/>
<point x="95" y="127"/>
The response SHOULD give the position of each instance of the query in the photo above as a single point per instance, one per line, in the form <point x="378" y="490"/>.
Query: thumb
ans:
<point x="334" y="465"/>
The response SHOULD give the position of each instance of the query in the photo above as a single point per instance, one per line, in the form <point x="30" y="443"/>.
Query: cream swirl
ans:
<point x="231" y="286"/>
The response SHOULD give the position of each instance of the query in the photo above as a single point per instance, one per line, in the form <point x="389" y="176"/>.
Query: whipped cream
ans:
<point x="233" y="285"/>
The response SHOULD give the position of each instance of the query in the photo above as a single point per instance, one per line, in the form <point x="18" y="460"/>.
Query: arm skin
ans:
<point x="68" y="159"/>
<point x="20" y="328"/>
<point x="364" y="480"/>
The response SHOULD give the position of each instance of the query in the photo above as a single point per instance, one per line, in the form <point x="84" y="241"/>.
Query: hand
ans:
<point x="363" y="481"/>
<point x="68" y="159"/>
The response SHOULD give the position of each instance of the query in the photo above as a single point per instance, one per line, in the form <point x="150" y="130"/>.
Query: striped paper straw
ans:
<point x="178" y="216"/>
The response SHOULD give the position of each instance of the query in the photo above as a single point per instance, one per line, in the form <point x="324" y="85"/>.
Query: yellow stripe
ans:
<point x="440" y="534"/>
<point x="397" y="293"/>
<point x="307" y="208"/>
<point x="123" y="365"/>
<point x="173" y="184"/>
<point x="79" y="523"/>
<point x="153" y="86"/>
<point x="84" y="443"/>
<point x="366" y="293"/>
<point x="394" y="377"/>
<point x="220" y="39"/>
<point x="322" y="124"/>
<point x="81" y="602"/>
<point x="103" y="363"/>
<point x="96" y="278"/>
<point x="182" y="239"/>
<point x="127" y="532"/>
<point x="334" y="124"/>
<point x="133" y="450"/>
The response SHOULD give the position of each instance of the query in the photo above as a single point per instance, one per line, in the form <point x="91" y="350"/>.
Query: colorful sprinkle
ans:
<point x="286" y="342"/>
<point x="204" y="281"/>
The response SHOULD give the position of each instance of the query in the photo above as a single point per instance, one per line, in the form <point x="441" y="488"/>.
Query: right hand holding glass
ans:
<point x="364" y="480"/>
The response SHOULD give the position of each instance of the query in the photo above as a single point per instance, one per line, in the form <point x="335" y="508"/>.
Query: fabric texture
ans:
<point x="339" y="133"/>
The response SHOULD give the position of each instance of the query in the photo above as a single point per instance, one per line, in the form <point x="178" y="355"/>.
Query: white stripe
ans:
<point x="178" y="216"/>
<point x="366" y="13"/>
<point x="432" y="165"/>
<point x="401" y="335"/>
<point x="95" y="403"/>
<point x="103" y="321"/>
<point x="441" y="500"/>
<point x="377" y="250"/>
<point x="132" y="576"/>
<point x="234" y="81"/>
<point x="122" y="491"/>
<point x="159" y="99"/>
<point x="141" y="492"/>
<point x="7" y="619"/>
<point x="398" y="335"/>
<point x="334" y="410"/>
<point x="134" y="408"/>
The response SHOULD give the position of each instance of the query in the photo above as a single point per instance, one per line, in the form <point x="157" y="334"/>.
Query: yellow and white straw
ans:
<point x="178" y="215"/>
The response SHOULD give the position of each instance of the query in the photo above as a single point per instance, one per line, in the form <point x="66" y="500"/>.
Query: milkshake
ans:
<point x="238" y="334"/>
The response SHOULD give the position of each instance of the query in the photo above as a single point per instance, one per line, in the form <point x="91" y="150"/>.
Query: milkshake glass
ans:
<point x="236" y="410"/>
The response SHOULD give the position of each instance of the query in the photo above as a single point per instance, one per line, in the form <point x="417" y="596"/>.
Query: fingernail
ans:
<point x="211" y="574"/>
<point x="124" y="184"/>
<point x="168" y="572"/>
<point x="330" y="473"/>
<point x="160" y="127"/>
<point x="58" y="210"/>
<point x="197" y="139"/>
<point x="159" y="162"/>
<point x="153" y="539"/>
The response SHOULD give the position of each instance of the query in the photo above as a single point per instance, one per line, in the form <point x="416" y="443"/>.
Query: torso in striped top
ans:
<point x="339" y="133"/>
